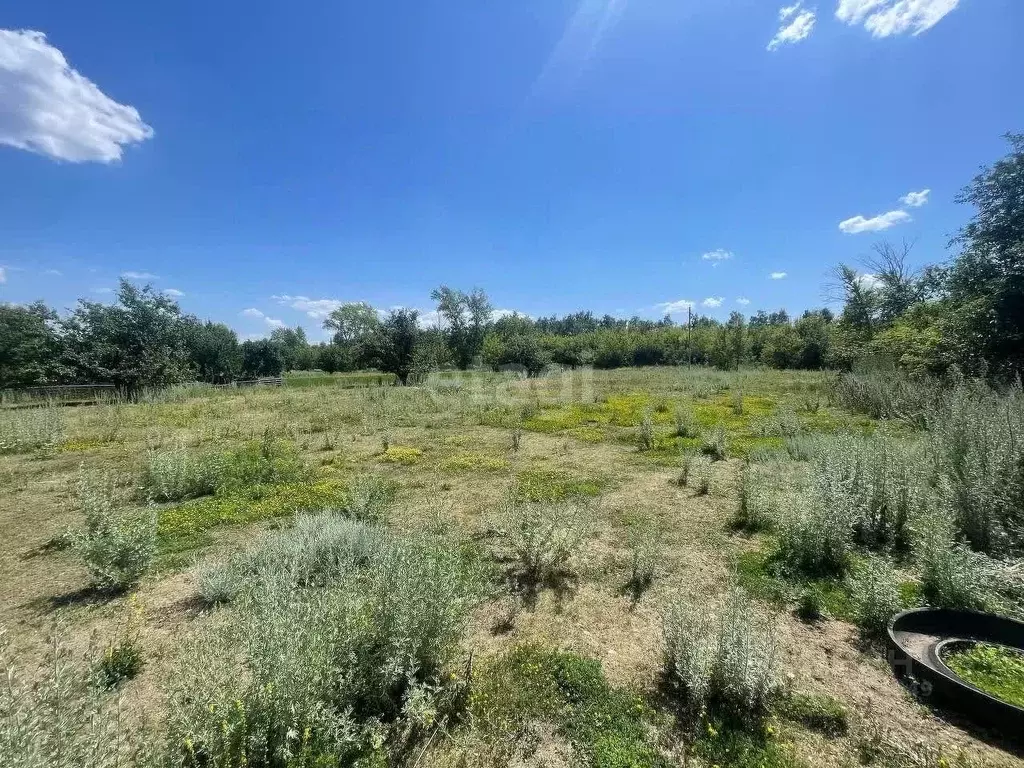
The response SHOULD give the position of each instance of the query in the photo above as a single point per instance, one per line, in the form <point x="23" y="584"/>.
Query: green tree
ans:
<point x="392" y="347"/>
<point x="213" y="351"/>
<point x="294" y="346"/>
<point x="984" y="328"/>
<point x="29" y="346"/>
<point x="137" y="343"/>
<point x="515" y="350"/>
<point x="352" y="322"/>
<point x="465" y="319"/>
<point x="261" y="357"/>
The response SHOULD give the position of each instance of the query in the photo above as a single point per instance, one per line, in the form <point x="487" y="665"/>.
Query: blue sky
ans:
<point x="270" y="160"/>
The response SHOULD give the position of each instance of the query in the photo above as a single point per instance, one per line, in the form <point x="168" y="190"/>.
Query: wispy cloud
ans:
<point x="272" y="322"/>
<point x="712" y="302"/>
<point x="777" y="275"/>
<point x="102" y="290"/>
<point x="916" y="199"/>
<point x="858" y="224"/>
<point x="680" y="306"/>
<point x="53" y="272"/>
<point x="3" y="275"/>
<point x="50" y="109"/>
<point x="317" y="309"/>
<point x="717" y="256"/>
<point x="795" y="24"/>
<point x="139" y="276"/>
<point x="884" y="18"/>
<point x="742" y="301"/>
<point x="592" y="20"/>
<point x="174" y="293"/>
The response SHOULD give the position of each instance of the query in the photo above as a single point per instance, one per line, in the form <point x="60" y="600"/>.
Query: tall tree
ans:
<point x="351" y="322"/>
<point x="261" y="357"/>
<point x="392" y="347"/>
<point x="465" y="319"/>
<point x="984" y="329"/>
<point x="29" y="346"/>
<point x="213" y="351"/>
<point x="137" y="343"/>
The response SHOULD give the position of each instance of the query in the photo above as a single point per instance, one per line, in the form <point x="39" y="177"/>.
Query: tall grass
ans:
<point x="23" y="430"/>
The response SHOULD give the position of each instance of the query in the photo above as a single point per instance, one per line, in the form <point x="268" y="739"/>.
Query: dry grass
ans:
<point x="449" y="454"/>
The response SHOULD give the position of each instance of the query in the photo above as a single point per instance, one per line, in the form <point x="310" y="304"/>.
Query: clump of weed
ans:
<point x="24" y="430"/>
<point x="57" y="717"/>
<point x="874" y="595"/>
<point x="515" y="438"/>
<point x="713" y="444"/>
<point x="700" y="475"/>
<point x="542" y="539"/>
<point x="754" y="508"/>
<point x="645" y="435"/>
<point x="122" y="659"/>
<point x="737" y="403"/>
<point x="545" y="485"/>
<point x="724" y="665"/>
<point x="606" y="726"/>
<point x="179" y="474"/>
<point x="685" y="424"/>
<point x="993" y="668"/>
<point x="643" y="540"/>
<point x="810" y="607"/>
<point x="370" y="498"/>
<point x="116" y="545"/>
<point x="823" y="714"/>
<point x="401" y="454"/>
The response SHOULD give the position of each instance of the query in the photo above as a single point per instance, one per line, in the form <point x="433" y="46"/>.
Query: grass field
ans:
<point x="562" y="494"/>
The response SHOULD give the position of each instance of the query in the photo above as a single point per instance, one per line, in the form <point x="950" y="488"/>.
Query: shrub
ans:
<point x="726" y="664"/>
<point x="810" y="606"/>
<point x="874" y="595"/>
<point x="645" y="436"/>
<point x="182" y="474"/>
<point x="218" y="582"/>
<point x="542" y="538"/>
<point x="24" y="430"/>
<point x="117" y="546"/>
<point x="58" y="718"/>
<point x="700" y="475"/>
<point x="754" y="507"/>
<point x="370" y="498"/>
<point x="686" y="426"/>
<point x="713" y="444"/>
<point x="643" y="539"/>
<point x="953" y="576"/>
<point x="326" y="675"/>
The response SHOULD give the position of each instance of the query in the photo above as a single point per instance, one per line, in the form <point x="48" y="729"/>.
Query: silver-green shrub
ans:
<point x="181" y="473"/>
<point x="542" y="538"/>
<point x="723" y="663"/>
<point x="116" y="545"/>
<point x="23" y="430"/>
<point x="874" y="595"/>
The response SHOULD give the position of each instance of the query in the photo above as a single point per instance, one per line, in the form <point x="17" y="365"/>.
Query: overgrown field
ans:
<point x="644" y="567"/>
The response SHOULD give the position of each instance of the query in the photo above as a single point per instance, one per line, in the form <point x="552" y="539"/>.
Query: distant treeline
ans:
<point x="968" y="312"/>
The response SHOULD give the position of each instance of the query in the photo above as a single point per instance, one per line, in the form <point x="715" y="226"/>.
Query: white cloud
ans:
<point x="252" y="312"/>
<point x="916" y="199"/>
<point x="53" y="272"/>
<point x="273" y="322"/>
<point x="102" y="290"/>
<point x="796" y="24"/>
<point x="318" y="309"/>
<point x="717" y="255"/>
<point x="173" y="292"/>
<point x="712" y="302"/>
<point x="51" y="109"/>
<point x="869" y="281"/>
<point x="777" y="275"/>
<point x="675" y="307"/>
<point x="859" y="224"/>
<point x="139" y="276"/>
<point x="883" y="18"/>
<point x="500" y="313"/>
<point x="3" y="275"/>
<point x="742" y="301"/>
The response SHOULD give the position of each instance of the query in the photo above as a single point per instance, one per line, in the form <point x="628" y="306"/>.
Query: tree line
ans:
<point x="967" y="312"/>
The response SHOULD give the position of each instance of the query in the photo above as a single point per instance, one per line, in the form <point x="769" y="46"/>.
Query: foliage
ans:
<point x="29" y="346"/>
<point x="325" y="675"/>
<point x="138" y="343"/>
<point x="465" y="318"/>
<point x="724" y="664"/>
<point x="643" y="540"/>
<point x="515" y="352"/>
<point x="214" y="352"/>
<point x="608" y="727"/>
<point x="391" y="347"/>
<point x="24" y="430"/>
<point x="352" y="322"/>
<point x="261" y="357"/>
<point x="541" y="539"/>
<point x="57" y="717"/>
<point x="993" y="668"/>
<point x="116" y="545"/>
<point x="122" y="659"/>
<point x="874" y="595"/>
